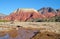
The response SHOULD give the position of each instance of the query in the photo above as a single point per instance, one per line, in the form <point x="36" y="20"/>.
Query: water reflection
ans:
<point x="21" y="33"/>
<point x="5" y="37"/>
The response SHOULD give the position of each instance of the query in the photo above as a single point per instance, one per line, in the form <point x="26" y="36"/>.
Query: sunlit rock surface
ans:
<point x="24" y="15"/>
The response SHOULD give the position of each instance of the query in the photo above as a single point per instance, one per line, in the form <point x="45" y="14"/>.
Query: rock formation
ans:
<point x="47" y="12"/>
<point x="24" y="15"/>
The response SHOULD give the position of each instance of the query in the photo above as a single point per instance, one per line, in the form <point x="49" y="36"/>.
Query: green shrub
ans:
<point x="55" y="19"/>
<point x="4" y="21"/>
<point x="35" y="20"/>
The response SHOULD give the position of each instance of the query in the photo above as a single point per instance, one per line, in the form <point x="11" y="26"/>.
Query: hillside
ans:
<point x="28" y="14"/>
<point x="24" y="15"/>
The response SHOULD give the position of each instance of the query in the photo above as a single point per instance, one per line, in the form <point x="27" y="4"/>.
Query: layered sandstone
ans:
<point x="24" y="15"/>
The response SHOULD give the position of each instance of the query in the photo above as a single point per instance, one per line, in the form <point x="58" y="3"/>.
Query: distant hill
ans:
<point x="2" y="15"/>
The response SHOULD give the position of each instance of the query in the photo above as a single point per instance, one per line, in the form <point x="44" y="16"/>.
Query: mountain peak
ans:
<point x="25" y="14"/>
<point x="25" y="10"/>
<point x="46" y="10"/>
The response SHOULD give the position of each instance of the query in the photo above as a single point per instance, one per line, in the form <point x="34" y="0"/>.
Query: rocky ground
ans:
<point x="30" y="30"/>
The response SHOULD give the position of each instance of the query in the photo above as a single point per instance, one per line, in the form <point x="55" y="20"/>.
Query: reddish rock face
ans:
<point x="24" y="15"/>
<point x="58" y="13"/>
<point x="49" y="14"/>
<point x="27" y="14"/>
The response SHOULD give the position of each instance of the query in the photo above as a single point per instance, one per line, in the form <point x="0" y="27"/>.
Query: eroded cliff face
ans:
<point x="48" y="12"/>
<point x="24" y="15"/>
<point x="58" y="13"/>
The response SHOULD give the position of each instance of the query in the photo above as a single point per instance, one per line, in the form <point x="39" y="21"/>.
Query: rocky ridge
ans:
<point x="25" y="14"/>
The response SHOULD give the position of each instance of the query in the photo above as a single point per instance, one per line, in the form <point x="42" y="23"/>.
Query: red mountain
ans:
<point x="48" y="12"/>
<point x="27" y="14"/>
<point x="58" y="12"/>
<point x="24" y="15"/>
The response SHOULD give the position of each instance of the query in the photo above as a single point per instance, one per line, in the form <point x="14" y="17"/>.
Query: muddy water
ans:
<point x="21" y="33"/>
<point x="46" y="35"/>
<point x="5" y="37"/>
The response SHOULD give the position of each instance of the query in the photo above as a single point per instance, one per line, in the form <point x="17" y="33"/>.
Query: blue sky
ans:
<point x="8" y="6"/>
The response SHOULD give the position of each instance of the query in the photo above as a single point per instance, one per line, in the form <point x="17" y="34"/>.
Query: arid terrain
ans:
<point x="30" y="30"/>
<point x="29" y="14"/>
<point x="29" y="19"/>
